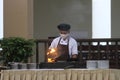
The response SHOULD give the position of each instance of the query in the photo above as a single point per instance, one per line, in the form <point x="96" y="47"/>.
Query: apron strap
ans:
<point x="68" y="45"/>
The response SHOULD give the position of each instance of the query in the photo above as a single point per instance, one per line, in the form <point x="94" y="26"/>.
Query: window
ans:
<point x="1" y="18"/>
<point x="101" y="18"/>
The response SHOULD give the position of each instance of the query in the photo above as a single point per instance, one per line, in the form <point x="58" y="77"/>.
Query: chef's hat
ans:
<point x="63" y="27"/>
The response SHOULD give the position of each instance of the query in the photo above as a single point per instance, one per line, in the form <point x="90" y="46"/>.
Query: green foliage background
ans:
<point x="16" y="49"/>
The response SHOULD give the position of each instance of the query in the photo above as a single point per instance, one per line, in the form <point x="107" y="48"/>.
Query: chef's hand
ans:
<point x="74" y="56"/>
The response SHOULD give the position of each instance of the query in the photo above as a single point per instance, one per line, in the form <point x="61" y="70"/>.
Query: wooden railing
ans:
<point x="91" y="49"/>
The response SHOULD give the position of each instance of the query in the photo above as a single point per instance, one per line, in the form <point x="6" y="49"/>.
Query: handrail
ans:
<point x="91" y="51"/>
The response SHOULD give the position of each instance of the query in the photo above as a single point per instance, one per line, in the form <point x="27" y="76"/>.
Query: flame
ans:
<point x="52" y="54"/>
<point x="48" y="53"/>
<point x="53" y="50"/>
<point x="51" y="60"/>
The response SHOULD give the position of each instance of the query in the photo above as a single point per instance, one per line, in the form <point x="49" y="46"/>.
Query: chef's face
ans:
<point x="64" y="34"/>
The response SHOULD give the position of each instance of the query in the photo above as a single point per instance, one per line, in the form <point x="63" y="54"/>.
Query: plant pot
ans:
<point x="13" y="65"/>
<point x="31" y="65"/>
<point x="22" y="66"/>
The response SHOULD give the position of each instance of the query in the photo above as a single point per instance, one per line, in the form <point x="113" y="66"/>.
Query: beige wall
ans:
<point x="49" y="13"/>
<point x="18" y="16"/>
<point x="115" y="19"/>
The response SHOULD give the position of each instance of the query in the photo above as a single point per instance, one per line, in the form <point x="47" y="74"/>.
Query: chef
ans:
<point x="66" y="45"/>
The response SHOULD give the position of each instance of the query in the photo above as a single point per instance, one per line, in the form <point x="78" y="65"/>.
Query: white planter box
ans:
<point x="97" y="64"/>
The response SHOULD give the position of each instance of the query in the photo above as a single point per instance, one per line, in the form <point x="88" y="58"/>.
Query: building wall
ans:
<point x="115" y="19"/>
<point x="49" y="13"/>
<point x="18" y="16"/>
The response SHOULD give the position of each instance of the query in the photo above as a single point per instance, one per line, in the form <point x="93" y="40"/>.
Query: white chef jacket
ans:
<point x="73" y="47"/>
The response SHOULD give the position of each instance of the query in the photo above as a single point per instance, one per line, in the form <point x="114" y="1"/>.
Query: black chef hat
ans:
<point x="63" y="27"/>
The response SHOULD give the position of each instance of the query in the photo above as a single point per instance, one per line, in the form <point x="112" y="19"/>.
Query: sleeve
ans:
<point x="74" y="48"/>
<point x="53" y="43"/>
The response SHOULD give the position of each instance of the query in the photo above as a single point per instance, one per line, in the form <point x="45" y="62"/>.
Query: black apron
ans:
<point x="63" y="51"/>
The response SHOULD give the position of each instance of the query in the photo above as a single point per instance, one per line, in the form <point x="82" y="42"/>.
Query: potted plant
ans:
<point x="16" y="49"/>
